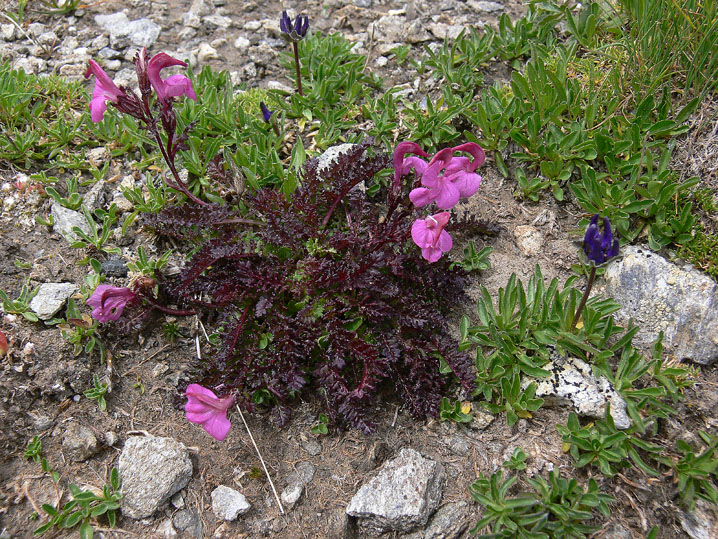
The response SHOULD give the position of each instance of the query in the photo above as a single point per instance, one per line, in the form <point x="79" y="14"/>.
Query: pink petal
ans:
<point x="421" y="196"/>
<point x="431" y="254"/>
<point x="400" y="151"/>
<point x="218" y="426"/>
<point x="445" y="242"/>
<point x="467" y="183"/>
<point x="418" y="164"/>
<point x="421" y="234"/>
<point x="448" y="195"/>
<point x="178" y="85"/>
<point x="476" y="152"/>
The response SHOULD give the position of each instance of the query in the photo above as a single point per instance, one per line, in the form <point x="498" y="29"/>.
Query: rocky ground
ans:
<point x="178" y="480"/>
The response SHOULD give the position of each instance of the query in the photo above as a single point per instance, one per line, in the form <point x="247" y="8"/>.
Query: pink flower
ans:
<point x="437" y="187"/>
<point x="445" y="179"/>
<point x="205" y="408"/>
<point x="105" y="90"/>
<point x="402" y="165"/>
<point x="429" y="234"/>
<point x="109" y="302"/>
<point x="460" y="170"/>
<point x="173" y="86"/>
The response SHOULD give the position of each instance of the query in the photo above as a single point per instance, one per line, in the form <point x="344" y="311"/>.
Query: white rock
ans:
<point x="206" y="52"/>
<point x="228" y="504"/>
<point x="290" y="495"/>
<point x="65" y="220"/>
<point x="50" y="298"/>
<point x="529" y="240"/>
<point x="241" y="43"/>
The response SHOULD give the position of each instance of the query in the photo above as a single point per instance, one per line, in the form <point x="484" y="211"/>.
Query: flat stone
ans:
<point x="701" y="522"/>
<point x="572" y="382"/>
<point x="79" y="442"/>
<point x="402" y="496"/>
<point x="152" y="470"/>
<point x="485" y="7"/>
<point x="228" y="504"/>
<point x="50" y="298"/>
<point x="303" y="474"/>
<point x="64" y="220"/>
<point x="661" y="296"/>
<point x="114" y="267"/>
<point x="311" y="446"/>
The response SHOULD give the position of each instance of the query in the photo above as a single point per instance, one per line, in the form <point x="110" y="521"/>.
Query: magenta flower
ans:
<point x="438" y="187"/>
<point x="108" y="302"/>
<point x="105" y="90"/>
<point x="403" y="165"/>
<point x="173" y="86"/>
<point x="460" y="170"/>
<point x="205" y="408"/>
<point x="429" y="234"/>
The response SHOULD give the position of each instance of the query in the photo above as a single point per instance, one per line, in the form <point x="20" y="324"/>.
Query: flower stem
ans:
<point x="299" y="72"/>
<point x="584" y="299"/>
<point x="274" y="124"/>
<point x="177" y="183"/>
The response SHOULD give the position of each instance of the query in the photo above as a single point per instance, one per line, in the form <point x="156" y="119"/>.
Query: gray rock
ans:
<point x="7" y="32"/>
<point x="79" y="442"/>
<point x="325" y="160"/>
<point x="661" y="296"/>
<point x="50" y="298"/>
<point x="206" y="52"/>
<point x="457" y="445"/>
<point x="485" y="7"/>
<point x="303" y="474"/>
<point x="114" y="267"/>
<point x="311" y="446"/>
<point x="449" y="522"/>
<point x="228" y="504"/>
<point x="339" y="525"/>
<point x="572" y="382"/>
<point x="123" y="32"/>
<point x="290" y="495"/>
<point x="241" y="44"/>
<point x="387" y="29"/>
<point x="214" y="22"/>
<point x="65" y="220"/>
<point x="482" y="419"/>
<point x="405" y="492"/>
<point x="152" y="470"/>
<point x="165" y="529"/>
<point x="187" y="520"/>
<point x="701" y="522"/>
<point x="362" y="3"/>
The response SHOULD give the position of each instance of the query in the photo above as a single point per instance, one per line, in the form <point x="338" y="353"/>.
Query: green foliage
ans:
<point x="171" y="332"/>
<point x="21" y="305"/>
<point x="97" y="238"/>
<point x="73" y="200"/>
<point x="148" y="265"/>
<point x="81" y="330"/>
<point x="474" y="261"/>
<point x="453" y="412"/>
<point x="320" y="427"/>
<point x="84" y="507"/>
<point x="696" y="471"/>
<point x="517" y="460"/>
<point x="98" y="392"/>
<point x="555" y="508"/>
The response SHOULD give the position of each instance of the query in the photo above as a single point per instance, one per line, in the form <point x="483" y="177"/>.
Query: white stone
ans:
<point x="50" y="298"/>
<point x="228" y="504"/>
<point x="529" y="240"/>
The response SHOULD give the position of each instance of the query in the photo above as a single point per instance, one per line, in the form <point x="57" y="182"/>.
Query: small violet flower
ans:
<point x="266" y="113"/>
<point x="105" y="90"/>
<point x="108" y="302"/>
<point x="403" y="164"/>
<point x="429" y="234"/>
<point x="293" y="33"/>
<point x="205" y="408"/>
<point x="599" y="248"/>
<point x="173" y="86"/>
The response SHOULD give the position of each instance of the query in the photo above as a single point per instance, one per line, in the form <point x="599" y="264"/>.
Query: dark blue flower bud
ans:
<point x="599" y="247"/>
<point x="266" y="113"/>
<point x="293" y="32"/>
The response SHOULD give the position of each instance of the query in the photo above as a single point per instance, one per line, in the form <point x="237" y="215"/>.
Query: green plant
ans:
<point x="21" y="305"/>
<point x="320" y="427"/>
<point x="34" y="452"/>
<point x="517" y="460"/>
<point x="695" y="472"/>
<point x="171" y="332"/>
<point x="80" y="330"/>
<point x="96" y="239"/>
<point x="84" y="507"/>
<point x="555" y="508"/>
<point x="148" y="266"/>
<point x="474" y="261"/>
<point x="73" y="200"/>
<point x="401" y="52"/>
<point x="98" y="392"/>
<point x="458" y="412"/>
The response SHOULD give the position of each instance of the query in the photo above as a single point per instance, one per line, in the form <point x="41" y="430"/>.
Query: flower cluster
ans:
<point x="599" y="248"/>
<point x="108" y="302"/>
<point x="444" y="179"/>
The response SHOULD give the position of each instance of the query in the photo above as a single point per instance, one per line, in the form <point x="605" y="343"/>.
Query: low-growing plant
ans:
<point x="97" y="237"/>
<point x="97" y="392"/>
<point x="21" y="305"/>
<point x="555" y="508"/>
<point x="320" y="427"/>
<point x="458" y="412"/>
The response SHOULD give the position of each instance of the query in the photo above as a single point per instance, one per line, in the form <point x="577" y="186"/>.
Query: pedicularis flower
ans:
<point x="207" y="409"/>
<point x="108" y="302"/>
<point x="173" y="86"/>
<point x="105" y="90"/>
<point x="599" y="247"/>
<point x="429" y="234"/>
<point x="292" y="33"/>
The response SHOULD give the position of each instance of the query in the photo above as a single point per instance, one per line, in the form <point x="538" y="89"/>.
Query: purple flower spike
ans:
<point x="293" y="33"/>
<point x="108" y="302"/>
<point x="207" y="409"/>
<point x="105" y="90"/>
<point x="266" y="113"/>
<point x="599" y="247"/>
